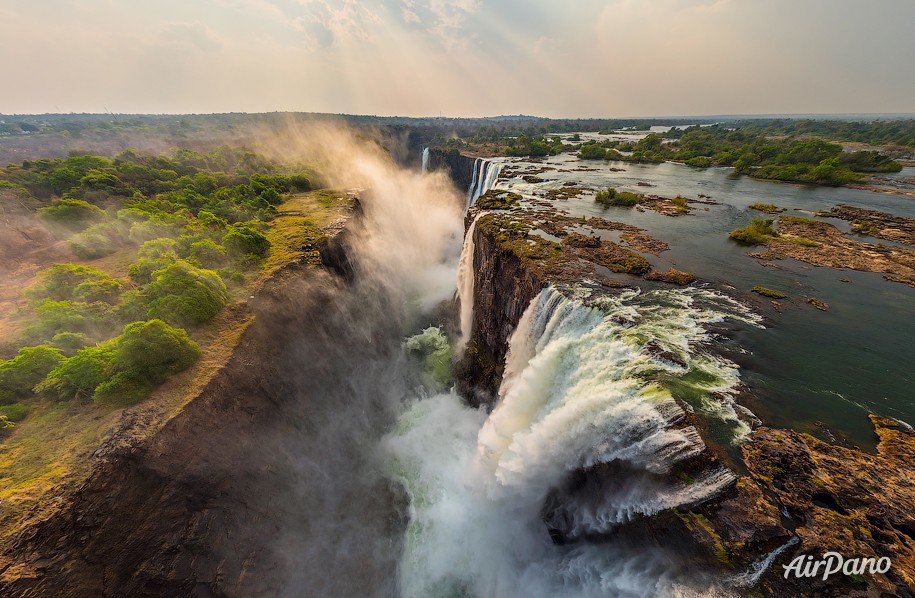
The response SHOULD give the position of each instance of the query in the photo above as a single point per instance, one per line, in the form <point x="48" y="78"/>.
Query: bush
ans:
<point x="183" y="294"/>
<point x="141" y="271"/>
<point x="73" y="214"/>
<point x="70" y="342"/>
<point x="18" y="376"/>
<point x="758" y="232"/>
<point x="105" y="291"/>
<point x="15" y="412"/>
<point x="77" y="377"/>
<point x="208" y="253"/>
<point x="61" y="280"/>
<point x="89" y="246"/>
<point x="243" y="240"/>
<point x="699" y="162"/>
<point x="612" y="197"/>
<point x="53" y="317"/>
<point x="156" y="248"/>
<point x="592" y="151"/>
<point x="146" y="354"/>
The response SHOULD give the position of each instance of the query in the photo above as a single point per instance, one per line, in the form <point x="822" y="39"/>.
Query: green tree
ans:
<point x="19" y="375"/>
<point x="77" y="377"/>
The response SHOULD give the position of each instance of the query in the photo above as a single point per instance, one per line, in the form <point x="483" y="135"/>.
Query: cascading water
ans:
<point x="465" y="280"/>
<point x="425" y="161"/>
<point x="580" y="388"/>
<point x="475" y="173"/>
<point x="485" y="175"/>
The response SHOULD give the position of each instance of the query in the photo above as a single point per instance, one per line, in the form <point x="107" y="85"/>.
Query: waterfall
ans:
<point x="473" y="182"/>
<point x="425" y="166"/>
<point x="485" y="175"/>
<point x="581" y="387"/>
<point x="756" y="570"/>
<point x="465" y="281"/>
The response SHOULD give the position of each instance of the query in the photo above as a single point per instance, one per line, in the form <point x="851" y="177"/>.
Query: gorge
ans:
<point x="595" y="439"/>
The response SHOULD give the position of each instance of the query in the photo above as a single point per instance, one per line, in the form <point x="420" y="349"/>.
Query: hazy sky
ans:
<point x="458" y="57"/>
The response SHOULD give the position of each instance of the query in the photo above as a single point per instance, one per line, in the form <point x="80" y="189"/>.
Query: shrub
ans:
<point x="145" y="355"/>
<point x="183" y="294"/>
<point x="758" y="232"/>
<point x="699" y="162"/>
<point x="89" y="246"/>
<point x="592" y="151"/>
<point x="73" y="214"/>
<point x="156" y="248"/>
<point x="612" y="197"/>
<point x="53" y="317"/>
<point x="106" y="291"/>
<point x="70" y="342"/>
<point x="78" y="376"/>
<point x="61" y="280"/>
<point x="243" y="240"/>
<point x="19" y="375"/>
<point x="154" y="228"/>
<point x="15" y="412"/>
<point x="141" y="271"/>
<point x="208" y="253"/>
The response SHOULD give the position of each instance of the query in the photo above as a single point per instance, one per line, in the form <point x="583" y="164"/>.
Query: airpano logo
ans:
<point x="832" y="563"/>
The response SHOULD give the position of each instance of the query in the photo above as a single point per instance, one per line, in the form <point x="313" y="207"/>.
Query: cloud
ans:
<point x="459" y="57"/>
<point x="195" y="34"/>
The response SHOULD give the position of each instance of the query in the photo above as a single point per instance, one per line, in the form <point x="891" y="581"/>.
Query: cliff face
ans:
<point x="238" y="494"/>
<point x="458" y="166"/>
<point x="502" y="291"/>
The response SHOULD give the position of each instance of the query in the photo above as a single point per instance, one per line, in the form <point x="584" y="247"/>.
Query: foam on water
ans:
<point x="579" y="389"/>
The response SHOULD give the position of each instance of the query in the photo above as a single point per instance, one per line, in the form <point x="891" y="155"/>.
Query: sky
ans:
<point x="555" y="58"/>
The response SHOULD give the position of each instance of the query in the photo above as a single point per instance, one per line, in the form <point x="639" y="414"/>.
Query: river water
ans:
<point x="811" y="370"/>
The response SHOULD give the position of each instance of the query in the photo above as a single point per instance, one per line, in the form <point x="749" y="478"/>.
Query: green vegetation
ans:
<point x="497" y="200"/>
<point x="74" y="214"/>
<point x="758" y="232"/>
<point x="768" y="208"/>
<point x="768" y="292"/>
<point x="19" y="375"/>
<point x="802" y="241"/>
<point x="792" y="159"/>
<point x="596" y="151"/>
<point x="612" y="197"/>
<point x="753" y="148"/>
<point x="188" y="229"/>
<point x="680" y="203"/>
<point x="796" y="220"/>
<point x="536" y="146"/>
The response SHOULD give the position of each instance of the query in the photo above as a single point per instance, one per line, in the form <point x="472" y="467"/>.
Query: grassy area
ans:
<point x="758" y="232"/>
<point x="768" y="208"/>
<point x="768" y="292"/>
<point x="52" y="446"/>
